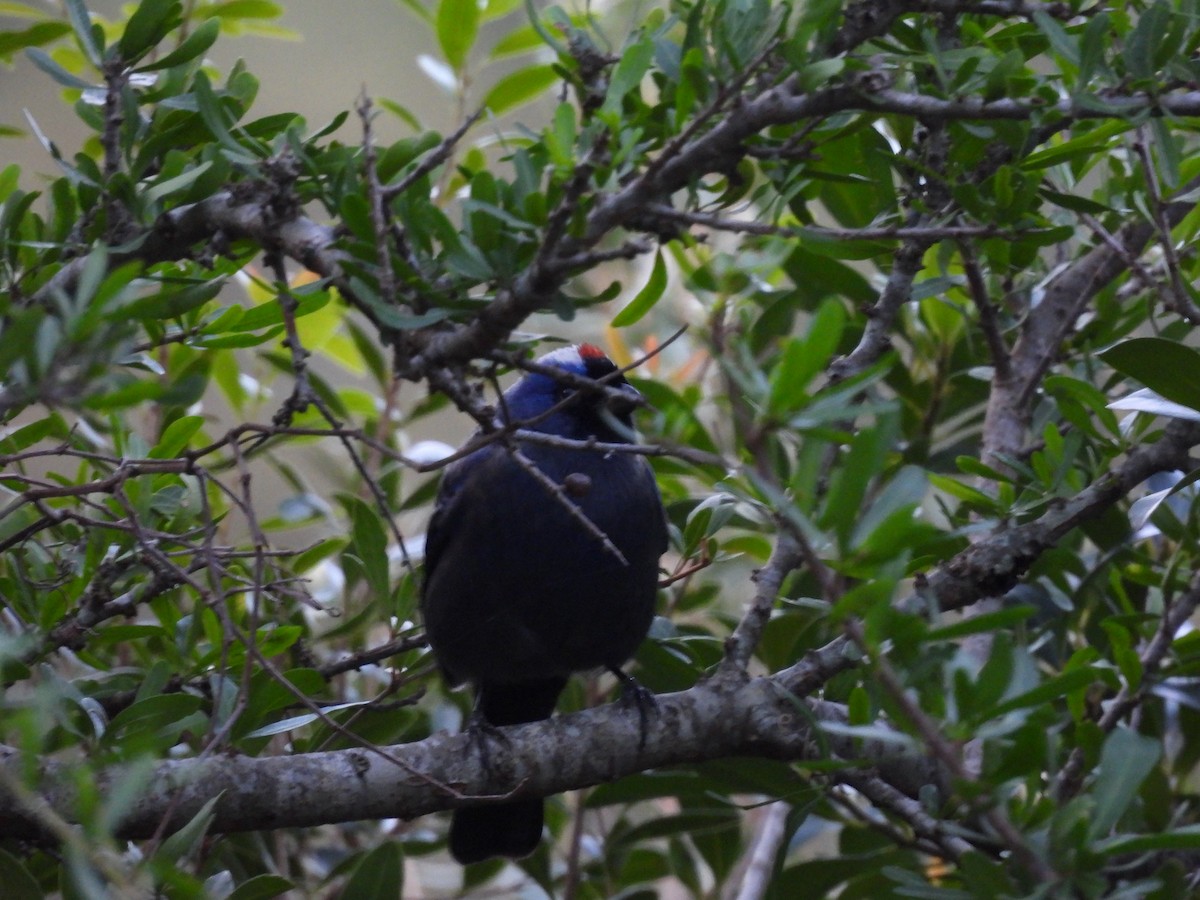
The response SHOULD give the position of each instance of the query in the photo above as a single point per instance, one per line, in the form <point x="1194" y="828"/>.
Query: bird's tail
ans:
<point x="511" y="829"/>
<point x="516" y="704"/>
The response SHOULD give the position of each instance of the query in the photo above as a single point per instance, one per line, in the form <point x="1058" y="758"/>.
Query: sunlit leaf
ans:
<point x="1157" y="363"/>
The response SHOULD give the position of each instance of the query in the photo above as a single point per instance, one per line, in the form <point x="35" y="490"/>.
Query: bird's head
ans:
<point x="600" y="410"/>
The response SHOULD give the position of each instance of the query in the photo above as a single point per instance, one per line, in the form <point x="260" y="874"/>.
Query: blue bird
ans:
<point x="519" y="591"/>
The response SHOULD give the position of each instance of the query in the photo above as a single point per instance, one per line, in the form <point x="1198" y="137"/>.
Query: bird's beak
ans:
<point x="622" y="399"/>
<point x="618" y="405"/>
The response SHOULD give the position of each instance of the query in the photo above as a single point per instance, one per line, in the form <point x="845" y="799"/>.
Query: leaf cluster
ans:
<point x="927" y="433"/>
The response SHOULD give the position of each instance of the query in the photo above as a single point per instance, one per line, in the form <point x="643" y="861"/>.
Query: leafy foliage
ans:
<point x="924" y="444"/>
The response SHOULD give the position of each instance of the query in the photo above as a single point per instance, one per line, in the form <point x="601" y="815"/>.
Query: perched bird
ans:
<point x="520" y="591"/>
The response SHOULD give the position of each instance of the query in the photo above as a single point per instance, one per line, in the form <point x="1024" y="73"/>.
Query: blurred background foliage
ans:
<point x="209" y="524"/>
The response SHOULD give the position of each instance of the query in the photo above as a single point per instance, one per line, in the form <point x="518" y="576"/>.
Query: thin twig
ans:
<point x="560" y="495"/>
<point x="1178" y="298"/>
<point x="740" y="645"/>
<point x="949" y="757"/>
<point x="765" y="850"/>
<point x="371" y="656"/>
<point x="378" y="203"/>
<point x="431" y="160"/>
<point x="989" y="323"/>
<point x="924" y="826"/>
<point x="878" y="233"/>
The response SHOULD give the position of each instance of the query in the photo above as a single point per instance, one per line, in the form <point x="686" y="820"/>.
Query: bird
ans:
<point x="532" y="576"/>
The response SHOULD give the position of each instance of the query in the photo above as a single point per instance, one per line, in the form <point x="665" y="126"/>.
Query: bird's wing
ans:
<point x="449" y="505"/>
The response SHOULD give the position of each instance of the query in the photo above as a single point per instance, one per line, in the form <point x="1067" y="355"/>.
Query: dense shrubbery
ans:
<point x="936" y="392"/>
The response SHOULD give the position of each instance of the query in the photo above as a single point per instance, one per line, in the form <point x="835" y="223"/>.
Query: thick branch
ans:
<point x="722" y="717"/>
<point x="876" y="340"/>
<point x="713" y="720"/>
<point x="869" y="19"/>
<point x="1049" y="323"/>
<point x="243" y="213"/>
<point x="995" y="565"/>
<point x="249" y="211"/>
<point x="723" y="146"/>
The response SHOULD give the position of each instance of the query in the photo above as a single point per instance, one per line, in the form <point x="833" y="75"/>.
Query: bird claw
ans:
<point x="480" y="731"/>
<point x="633" y="692"/>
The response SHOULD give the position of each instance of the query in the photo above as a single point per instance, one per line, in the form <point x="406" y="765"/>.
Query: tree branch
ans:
<point x="715" y="719"/>
<point x="1051" y="320"/>
<point x="740" y="645"/>
<point x="995" y="564"/>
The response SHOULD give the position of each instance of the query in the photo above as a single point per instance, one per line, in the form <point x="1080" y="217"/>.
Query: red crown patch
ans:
<point x="591" y="351"/>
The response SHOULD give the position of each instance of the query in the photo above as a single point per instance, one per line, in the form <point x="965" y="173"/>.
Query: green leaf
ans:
<point x="268" y="695"/>
<point x="274" y="639"/>
<point x="262" y="887"/>
<point x="970" y="465"/>
<point x="519" y="40"/>
<point x="33" y="36"/>
<point x="1092" y="45"/>
<point x="818" y="74"/>
<point x="1083" y="145"/>
<point x="993" y="621"/>
<point x="18" y="883"/>
<point x="148" y="25"/>
<point x="215" y="116"/>
<point x="186" y="841"/>
<point x="857" y="467"/>
<point x="10" y="177"/>
<point x="28" y="435"/>
<point x="196" y="44"/>
<point x="178" y="183"/>
<point x="293" y="722"/>
<point x="176" y="436"/>
<point x="856" y="179"/>
<point x="1125" y="761"/>
<point x="1167" y="151"/>
<point x="859" y="707"/>
<point x="42" y="60"/>
<point x="628" y="74"/>
<point x="1160" y="365"/>
<point x="519" y="87"/>
<point x="289" y="724"/>
<point x="94" y="267"/>
<point x="1064" y="44"/>
<point x="155" y="723"/>
<point x="19" y="10"/>
<point x="379" y="876"/>
<point x="1186" y="837"/>
<point x="819" y="242"/>
<point x="456" y="25"/>
<point x="535" y="21"/>
<point x="173" y="301"/>
<point x="246" y="9"/>
<point x="803" y="358"/>
<point x="391" y="317"/>
<point x="368" y="543"/>
<point x="649" y="295"/>
<point x="81" y="23"/>
<point x="1142" y="44"/>
<point x="237" y="340"/>
<point x="1051" y="690"/>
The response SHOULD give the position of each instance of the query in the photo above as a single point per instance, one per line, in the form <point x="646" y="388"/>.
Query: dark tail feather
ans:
<point x="512" y="829"/>
<point x="515" y="704"/>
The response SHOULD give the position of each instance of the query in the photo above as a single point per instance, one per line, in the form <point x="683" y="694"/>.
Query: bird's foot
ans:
<point x="481" y="733"/>
<point x="633" y="692"/>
